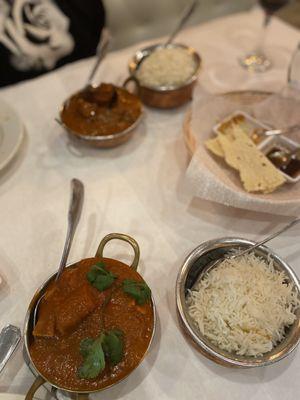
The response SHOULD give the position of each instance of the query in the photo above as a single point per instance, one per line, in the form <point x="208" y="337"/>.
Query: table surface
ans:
<point x="137" y="189"/>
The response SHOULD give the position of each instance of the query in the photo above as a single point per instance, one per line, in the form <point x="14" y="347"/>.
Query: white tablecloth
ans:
<point x="136" y="189"/>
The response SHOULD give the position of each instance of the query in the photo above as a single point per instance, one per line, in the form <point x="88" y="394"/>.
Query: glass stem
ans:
<point x="294" y="66"/>
<point x="259" y="49"/>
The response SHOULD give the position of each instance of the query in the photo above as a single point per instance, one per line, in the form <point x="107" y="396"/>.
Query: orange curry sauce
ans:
<point x="57" y="356"/>
<point x="100" y="111"/>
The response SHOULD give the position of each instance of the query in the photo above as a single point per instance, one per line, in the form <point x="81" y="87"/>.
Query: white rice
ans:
<point x="244" y="305"/>
<point x="166" y="67"/>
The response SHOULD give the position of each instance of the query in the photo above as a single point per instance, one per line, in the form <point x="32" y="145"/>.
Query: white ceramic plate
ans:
<point x="11" y="133"/>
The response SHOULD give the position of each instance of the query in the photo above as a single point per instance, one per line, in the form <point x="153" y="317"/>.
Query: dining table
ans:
<point x="138" y="188"/>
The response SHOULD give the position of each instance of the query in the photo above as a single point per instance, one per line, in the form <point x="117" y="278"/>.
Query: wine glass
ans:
<point x="257" y="60"/>
<point x="294" y="69"/>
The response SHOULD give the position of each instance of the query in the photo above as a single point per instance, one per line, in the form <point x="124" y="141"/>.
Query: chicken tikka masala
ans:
<point x="94" y="325"/>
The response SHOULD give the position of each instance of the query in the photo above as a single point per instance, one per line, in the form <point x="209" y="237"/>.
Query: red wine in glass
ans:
<point x="272" y="6"/>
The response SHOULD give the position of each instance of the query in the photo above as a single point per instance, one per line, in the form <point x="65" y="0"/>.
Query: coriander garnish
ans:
<point x="140" y="291"/>
<point x="113" y="346"/>
<point x="109" y="344"/>
<point x="94" y="361"/>
<point x="100" y="277"/>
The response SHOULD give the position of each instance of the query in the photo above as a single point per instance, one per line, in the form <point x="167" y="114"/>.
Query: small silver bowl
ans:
<point x="195" y="266"/>
<point x="163" y="96"/>
<point x="101" y="141"/>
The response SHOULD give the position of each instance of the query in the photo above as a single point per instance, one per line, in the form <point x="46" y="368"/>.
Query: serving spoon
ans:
<point x="283" y="131"/>
<point x="250" y="248"/>
<point x="75" y="207"/>
<point x="187" y="12"/>
<point x="102" y="49"/>
<point x="265" y="240"/>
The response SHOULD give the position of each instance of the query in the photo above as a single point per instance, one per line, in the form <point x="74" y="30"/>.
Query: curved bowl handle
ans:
<point x="125" y="238"/>
<point x="39" y="381"/>
<point x="135" y="81"/>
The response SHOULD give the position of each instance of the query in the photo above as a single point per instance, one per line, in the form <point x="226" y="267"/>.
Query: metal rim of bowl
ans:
<point x="100" y="138"/>
<point x="204" y="346"/>
<point x="28" y="317"/>
<point x="140" y="55"/>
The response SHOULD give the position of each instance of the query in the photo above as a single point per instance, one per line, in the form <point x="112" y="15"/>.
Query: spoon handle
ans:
<point x="73" y="219"/>
<point x="10" y="336"/>
<point x="284" y="131"/>
<point x="188" y="11"/>
<point x="268" y="238"/>
<point x="101" y="53"/>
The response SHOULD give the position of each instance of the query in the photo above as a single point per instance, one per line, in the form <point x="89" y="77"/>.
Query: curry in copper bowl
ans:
<point x="103" y="116"/>
<point x="95" y="324"/>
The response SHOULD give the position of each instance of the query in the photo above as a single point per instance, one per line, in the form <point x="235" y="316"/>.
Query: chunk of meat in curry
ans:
<point x="66" y="304"/>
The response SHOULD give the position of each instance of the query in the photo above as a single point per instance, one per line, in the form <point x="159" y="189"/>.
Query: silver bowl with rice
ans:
<point x="164" y="75"/>
<point x="194" y="270"/>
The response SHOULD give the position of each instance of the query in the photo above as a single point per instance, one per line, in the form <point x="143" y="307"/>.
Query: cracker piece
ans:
<point x="214" y="146"/>
<point x="257" y="173"/>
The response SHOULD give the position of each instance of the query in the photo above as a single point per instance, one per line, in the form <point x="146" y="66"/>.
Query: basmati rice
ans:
<point x="166" y="67"/>
<point x="244" y="305"/>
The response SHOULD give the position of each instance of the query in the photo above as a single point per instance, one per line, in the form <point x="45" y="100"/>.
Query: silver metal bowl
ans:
<point x="163" y="96"/>
<point x="101" y="141"/>
<point x="194" y="267"/>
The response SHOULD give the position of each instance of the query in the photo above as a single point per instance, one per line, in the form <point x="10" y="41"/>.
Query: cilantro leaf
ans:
<point x="94" y="351"/>
<point x="103" y="282"/>
<point x="98" y="268"/>
<point x="113" y="346"/>
<point x="100" y="277"/>
<point x="94" y="361"/>
<point x="140" y="291"/>
<point x="85" y="346"/>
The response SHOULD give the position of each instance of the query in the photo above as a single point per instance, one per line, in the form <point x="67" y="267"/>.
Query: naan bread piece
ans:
<point x="226" y="128"/>
<point x="214" y="146"/>
<point x="257" y="173"/>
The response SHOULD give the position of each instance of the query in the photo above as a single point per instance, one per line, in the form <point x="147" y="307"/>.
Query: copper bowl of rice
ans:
<point x="198" y="279"/>
<point x="164" y="75"/>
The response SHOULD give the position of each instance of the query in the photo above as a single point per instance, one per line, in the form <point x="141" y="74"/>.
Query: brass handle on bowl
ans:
<point x="135" y="81"/>
<point x="39" y="381"/>
<point x="125" y="238"/>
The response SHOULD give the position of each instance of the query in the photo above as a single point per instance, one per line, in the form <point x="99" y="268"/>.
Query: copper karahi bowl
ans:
<point x="163" y="96"/>
<point x="29" y="322"/>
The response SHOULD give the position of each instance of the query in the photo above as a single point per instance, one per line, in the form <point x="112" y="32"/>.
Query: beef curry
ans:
<point x="78" y="310"/>
<point x="100" y="111"/>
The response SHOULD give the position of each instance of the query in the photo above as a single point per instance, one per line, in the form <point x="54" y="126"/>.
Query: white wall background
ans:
<point x="134" y="20"/>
